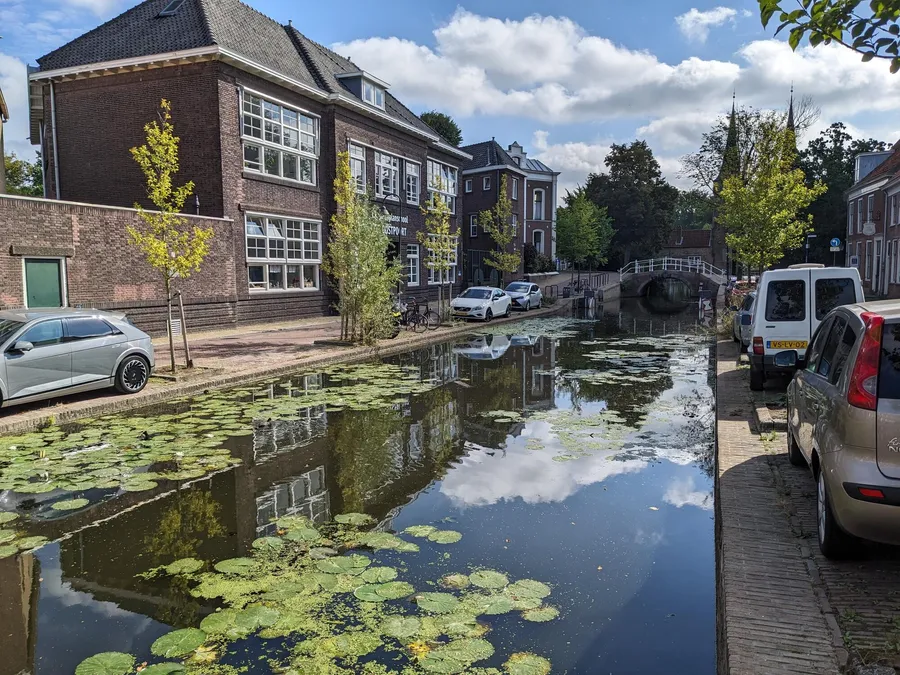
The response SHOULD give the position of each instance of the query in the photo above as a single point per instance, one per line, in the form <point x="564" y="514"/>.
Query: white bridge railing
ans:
<point x="713" y="273"/>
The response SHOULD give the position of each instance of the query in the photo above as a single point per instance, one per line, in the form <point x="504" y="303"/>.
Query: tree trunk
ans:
<point x="169" y="327"/>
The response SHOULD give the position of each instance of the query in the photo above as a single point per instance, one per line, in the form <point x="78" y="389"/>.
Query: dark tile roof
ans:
<point x="690" y="239"/>
<point x="487" y="153"/>
<point x="888" y="167"/>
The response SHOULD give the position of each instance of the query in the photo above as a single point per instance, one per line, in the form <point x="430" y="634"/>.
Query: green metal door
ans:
<point x="43" y="281"/>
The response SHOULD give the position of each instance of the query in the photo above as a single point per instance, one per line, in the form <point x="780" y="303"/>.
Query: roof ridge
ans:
<point x="204" y="15"/>
<point x="295" y="37"/>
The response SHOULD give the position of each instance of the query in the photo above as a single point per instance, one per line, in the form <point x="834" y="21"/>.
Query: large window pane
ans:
<point x="252" y="157"/>
<point x="786" y="300"/>
<point x="831" y="293"/>
<point x="276" y="276"/>
<point x="252" y="126"/>
<point x="289" y="166"/>
<point x="273" y="161"/>
<point x="256" y="248"/>
<point x="282" y="127"/>
<point x="257" y="276"/>
<point x="310" y="276"/>
<point x="307" y="170"/>
<point x="273" y="132"/>
<point x="294" y="276"/>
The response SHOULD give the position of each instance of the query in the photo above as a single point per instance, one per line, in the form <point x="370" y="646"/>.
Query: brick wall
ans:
<point x="545" y="225"/>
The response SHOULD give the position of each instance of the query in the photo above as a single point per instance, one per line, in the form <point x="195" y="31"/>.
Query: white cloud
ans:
<point x="682" y="492"/>
<point x="695" y="25"/>
<point x="98" y="7"/>
<point x="14" y="84"/>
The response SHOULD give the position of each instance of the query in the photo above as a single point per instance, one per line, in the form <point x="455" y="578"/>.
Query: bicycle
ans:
<point x="429" y="317"/>
<point x="408" y="317"/>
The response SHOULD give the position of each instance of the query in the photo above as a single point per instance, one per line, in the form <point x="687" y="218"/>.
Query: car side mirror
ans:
<point x="733" y="308"/>
<point x="23" y="346"/>
<point x="786" y="359"/>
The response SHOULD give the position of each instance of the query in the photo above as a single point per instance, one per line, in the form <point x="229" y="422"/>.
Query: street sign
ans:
<point x="835" y="243"/>
<point x="835" y="249"/>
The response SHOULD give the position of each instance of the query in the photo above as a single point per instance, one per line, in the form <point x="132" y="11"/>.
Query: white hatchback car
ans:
<point x="481" y="302"/>
<point x="525" y="295"/>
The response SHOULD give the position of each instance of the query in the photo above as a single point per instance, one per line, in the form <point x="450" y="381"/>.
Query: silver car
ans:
<point x="742" y="323"/>
<point x="49" y="353"/>
<point x="525" y="295"/>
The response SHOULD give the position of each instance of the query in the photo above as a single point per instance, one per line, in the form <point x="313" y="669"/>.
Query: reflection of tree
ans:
<point x="698" y="408"/>
<point x="441" y="425"/>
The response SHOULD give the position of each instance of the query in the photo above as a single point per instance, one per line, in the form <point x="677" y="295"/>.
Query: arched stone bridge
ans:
<point x="637" y="276"/>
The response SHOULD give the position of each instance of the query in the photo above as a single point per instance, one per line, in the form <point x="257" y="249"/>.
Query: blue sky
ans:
<point x="565" y="79"/>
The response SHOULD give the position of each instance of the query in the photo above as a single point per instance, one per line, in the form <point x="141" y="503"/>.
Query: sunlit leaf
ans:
<point x="525" y="663"/>
<point x="107" y="663"/>
<point x="178" y="643"/>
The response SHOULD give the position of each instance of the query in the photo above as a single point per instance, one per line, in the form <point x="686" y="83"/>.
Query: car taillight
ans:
<point x="863" y="391"/>
<point x="758" y="347"/>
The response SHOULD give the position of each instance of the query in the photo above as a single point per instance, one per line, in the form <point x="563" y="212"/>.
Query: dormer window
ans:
<point x="372" y="94"/>
<point x="172" y="8"/>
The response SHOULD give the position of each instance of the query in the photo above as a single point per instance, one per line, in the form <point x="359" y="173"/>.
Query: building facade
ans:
<point x="693" y="245"/>
<point x="262" y="112"/>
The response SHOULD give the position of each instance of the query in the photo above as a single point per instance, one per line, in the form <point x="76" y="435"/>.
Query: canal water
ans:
<point x="574" y="452"/>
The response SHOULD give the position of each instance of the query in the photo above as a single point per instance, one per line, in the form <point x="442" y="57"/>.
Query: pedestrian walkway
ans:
<point x="772" y="617"/>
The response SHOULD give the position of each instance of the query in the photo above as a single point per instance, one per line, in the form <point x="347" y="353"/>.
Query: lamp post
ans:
<point x="808" y="237"/>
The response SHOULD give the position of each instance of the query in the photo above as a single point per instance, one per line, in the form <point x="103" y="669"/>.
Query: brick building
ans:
<point x="531" y="187"/>
<point x="694" y="245"/>
<point x="262" y="112"/>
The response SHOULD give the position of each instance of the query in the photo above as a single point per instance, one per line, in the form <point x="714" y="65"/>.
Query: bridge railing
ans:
<point x="673" y="265"/>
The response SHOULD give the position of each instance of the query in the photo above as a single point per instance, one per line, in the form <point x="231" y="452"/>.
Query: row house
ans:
<point x="532" y="190"/>
<point x="262" y="112"/>
<point x="873" y="222"/>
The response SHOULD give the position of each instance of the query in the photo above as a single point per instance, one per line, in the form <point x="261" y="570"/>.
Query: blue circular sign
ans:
<point x="835" y="242"/>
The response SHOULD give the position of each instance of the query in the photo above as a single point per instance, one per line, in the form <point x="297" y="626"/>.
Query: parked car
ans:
<point x="790" y="304"/>
<point x="743" y="318"/>
<point x="483" y="347"/>
<point x="524" y="295"/>
<point x="49" y="353"/>
<point x="481" y="302"/>
<point x="844" y="423"/>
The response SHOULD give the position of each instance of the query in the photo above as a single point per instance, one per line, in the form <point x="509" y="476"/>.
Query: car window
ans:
<point x="517" y="288"/>
<point x="7" y="328"/>
<point x="831" y="293"/>
<point x="83" y="329"/>
<point x="889" y="375"/>
<point x="748" y="303"/>
<point x="817" y="345"/>
<point x="826" y="361"/>
<point x="839" y="363"/>
<point x="786" y="300"/>
<point x="44" y="334"/>
<point x="475" y="294"/>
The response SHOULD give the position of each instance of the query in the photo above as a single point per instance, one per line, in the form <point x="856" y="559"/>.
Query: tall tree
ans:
<point x="694" y="210"/>
<point x="498" y="223"/>
<point x="639" y="201"/>
<point x="24" y="177"/>
<point x="763" y="212"/>
<point x="871" y="30"/>
<point x="172" y="247"/>
<point x="583" y="230"/>
<point x="444" y="125"/>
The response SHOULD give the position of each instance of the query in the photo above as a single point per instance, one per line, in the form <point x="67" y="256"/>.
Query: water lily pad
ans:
<point x="461" y="624"/>
<point x="489" y="579"/>
<point x="184" y="566"/>
<point x="401" y="627"/>
<point x="528" y="588"/>
<point x="437" y="603"/>
<point x="393" y="590"/>
<point x="444" y="537"/>
<point x="178" y="643"/>
<point x="163" y="669"/>
<point x="456" y="656"/>
<point x="238" y="566"/>
<point x="321" y="552"/>
<point x="293" y="522"/>
<point x="267" y="544"/>
<point x="107" y="663"/>
<point x="221" y="623"/>
<point x="29" y="543"/>
<point x="379" y="575"/>
<point x="7" y="517"/>
<point x="541" y="614"/>
<point x="7" y="535"/>
<point x="139" y="486"/>
<point x="303" y="534"/>
<point x="257" y="616"/>
<point x="382" y="540"/>
<point x="420" y="530"/>
<point x="457" y="581"/>
<point x="7" y="551"/>
<point x="70" y="505"/>
<point x="355" y="519"/>
<point x="525" y="663"/>
<point x="492" y="604"/>
<point x="348" y="564"/>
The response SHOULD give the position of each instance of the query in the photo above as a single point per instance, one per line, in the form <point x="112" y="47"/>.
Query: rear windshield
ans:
<point x="786" y="300"/>
<point x="889" y="375"/>
<point x="748" y="303"/>
<point x="831" y="293"/>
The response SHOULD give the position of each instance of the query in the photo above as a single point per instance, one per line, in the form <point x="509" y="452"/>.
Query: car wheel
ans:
<point x="794" y="455"/>
<point x="508" y="310"/>
<point x="833" y="541"/>
<point x="488" y="315"/>
<point x="757" y="379"/>
<point x="528" y="305"/>
<point x="132" y="375"/>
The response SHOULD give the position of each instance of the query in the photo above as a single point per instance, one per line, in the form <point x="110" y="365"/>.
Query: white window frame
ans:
<point x="486" y="183"/>
<point x="284" y="260"/>
<point x="534" y="206"/>
<point x="373" y="94"/>
<point x="468" y="185"/>
<point x="412" y="271"/>
<point x="358" y="165"/>
<point x="387" y="165"/>
<point x="859" y="216"/>
<point x="473" y="225"/>
<point x="449" y="178"/>
<point x="450" y="273"/>
<point x="413" y="182"/>
<point x="534" y="238"/>
<point x="870" y="209"/>
<point x="63" y="277"/>
<point x="515" y="223"/>
<point x="868" y="259"/>
<point x="515" y="189"/>
<point x="851" y="216"/>
<point x="258" y="117"/>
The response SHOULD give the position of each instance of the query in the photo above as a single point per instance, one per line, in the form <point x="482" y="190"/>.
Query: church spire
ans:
<point x="790" y="120"/>
<point x="792" y="129"/>
<point x="731" y="155"/>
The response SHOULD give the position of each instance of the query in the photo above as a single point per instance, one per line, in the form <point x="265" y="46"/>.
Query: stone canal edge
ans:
<point x="29" y="418"/>
<point x="773" y="614"/>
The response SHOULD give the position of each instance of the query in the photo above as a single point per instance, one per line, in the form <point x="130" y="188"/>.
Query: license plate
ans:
<point x="787" y="344"/>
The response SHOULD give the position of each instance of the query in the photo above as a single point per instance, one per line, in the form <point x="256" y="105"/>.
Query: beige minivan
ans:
<point x="844" y="423"/>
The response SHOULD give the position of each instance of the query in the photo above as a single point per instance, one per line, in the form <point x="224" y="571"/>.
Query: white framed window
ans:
<point x="468" y="185"/>
<point x="859" y="215"/>
<point x="515" y="222"/>
<point x="387" y="175"/>
<point x="372" y="94"/>
<point x="473" y="225"/>
<point x="358" y="166"/>
<point x="538" y="207"/>
<point x="537" y="238"/>
<point x="515" y="188"/>
<point x="283" y="253"/>
<point x="412" y="264"/>
<point x="851" y="215"/>
<point x="448" y="275"/>
<point x="278" y="140"/>
<point x="412" y="182"/>
<point x="868" y="260"/>
<point x="442" y="180"/>
<point x="486" y="183"/>
<point x="870" y="210"/>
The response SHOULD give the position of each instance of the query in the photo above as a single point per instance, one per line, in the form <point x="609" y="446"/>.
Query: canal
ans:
<point x="536" y="496"/>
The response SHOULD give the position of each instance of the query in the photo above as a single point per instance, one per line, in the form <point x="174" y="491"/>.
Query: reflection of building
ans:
<point x="18" y="620"/>
<point x="304" y="495"/>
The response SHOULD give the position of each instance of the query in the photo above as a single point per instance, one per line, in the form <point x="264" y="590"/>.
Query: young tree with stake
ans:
<point x="497" y="222"/>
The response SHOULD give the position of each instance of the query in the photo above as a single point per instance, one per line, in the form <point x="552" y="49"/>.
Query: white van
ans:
<point x="789" y="306"/>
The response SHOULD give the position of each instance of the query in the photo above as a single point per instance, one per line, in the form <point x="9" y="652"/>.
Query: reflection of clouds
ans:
<point x="682" y="492"/>
<point x="648" y="538"/>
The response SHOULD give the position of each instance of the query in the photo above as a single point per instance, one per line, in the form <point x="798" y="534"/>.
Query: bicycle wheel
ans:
<point x="432" y="319"/>
<point x="418" y="323"/>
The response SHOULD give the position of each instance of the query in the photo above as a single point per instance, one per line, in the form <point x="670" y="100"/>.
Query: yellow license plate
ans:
<point x="787" y="344"/>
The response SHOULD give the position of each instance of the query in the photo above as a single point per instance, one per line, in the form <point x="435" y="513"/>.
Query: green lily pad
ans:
<point x="355" y="519"/>
<point x="7" y="551"/>
<point x="178" y="643"/>
<point x="163" y="669"/>
<point x="29" y="543"/>
<point x="525" y="663"/>
<point x="456" y="656"/>
<point x="7" y="535"/>
<point x="293" y="522"/>
<point x="492" y="604"/>
<point x="420" y="530"/>
<point x="379" y="575"/>
<point x="139" y="486"/>
<point x="303" y="534"/>
<point x="456" y="581"/>
<point x="401" y="627"/>
<point x="267" y="544"/>
<point x="392" y="590"/>
<point x="489" y="579"/>
<point x="528" y="588"/>
<point x="348" y="564"/>
<point x="7" y="517"/>
<point x="238" y="566"/>
<point x="437" y="603"/>
<point x="257" y="616"/>
<point x="184" y="566"/>
<point x="107" y="663"/>
<point x="221" y="623"/>
<point x="71" y="505"/>
<point x="382" y="540"/>
<point x="407" y="547"/>
<point x="541" y="614"/>
<point x="444" y="537"/>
